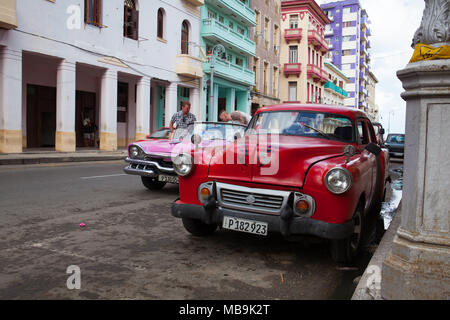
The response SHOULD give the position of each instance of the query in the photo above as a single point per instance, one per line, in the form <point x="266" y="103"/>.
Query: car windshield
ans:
<point x="210" y="131"/>
<point x="396" y="138"/>
<point x="160" y="134"/>
<point x="305" y="124"/>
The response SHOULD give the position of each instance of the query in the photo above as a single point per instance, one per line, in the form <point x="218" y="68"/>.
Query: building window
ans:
<point x="185" y="38"/>
<point x="347" y="10"/>
<point x="93" y="12"/>
<point x="293" y="54"/>
<point x="131" y="23"/>
<point x="239" y="62"/>
<point x="293" y="91"/>
<point x="346" y="24"/>
<point x="347" y="38"/>
<point x="346" y="52"/>
<point x="240" y="30"/>
<point x="160" y="27"/>
<point x="293" y="21"/>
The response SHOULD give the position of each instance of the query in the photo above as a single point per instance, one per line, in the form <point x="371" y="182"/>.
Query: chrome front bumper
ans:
<point x="146" y="168"/>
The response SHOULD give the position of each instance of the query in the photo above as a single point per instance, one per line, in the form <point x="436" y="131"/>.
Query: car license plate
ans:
<point x="170" y="179"/>
<point x="244" y="225"/>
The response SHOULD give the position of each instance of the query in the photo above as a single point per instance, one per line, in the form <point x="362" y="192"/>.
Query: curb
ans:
<point x="60" y="159"/>
<point x="369" y="286"/>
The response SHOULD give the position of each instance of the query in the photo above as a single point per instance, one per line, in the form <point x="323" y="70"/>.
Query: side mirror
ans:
<point x="349" y="151"/>
<point x="382" y="131"/>
<point x="237" y="136"/>
<point x="373" y="148"/>
<point x="196" y="139"/>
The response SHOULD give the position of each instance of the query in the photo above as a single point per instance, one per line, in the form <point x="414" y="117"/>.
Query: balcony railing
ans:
<point x="189" y="66"/>
<point x="243" y="13"/>
<point x="292" y="68"/>
<point x="317" y="74"/>
<point x="331" y="86"/>
<point x="317" y="40"/>
<point x="293" y="35"/>
<point x="197" y="3"/>
<point x="8" y="14"/>
<point x="216" y="31"/>
<point x="231" y="71"/>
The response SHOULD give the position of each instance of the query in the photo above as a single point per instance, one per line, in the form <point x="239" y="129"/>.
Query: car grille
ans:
<point x="162" y="162"/>
<point x="254" y="200"/>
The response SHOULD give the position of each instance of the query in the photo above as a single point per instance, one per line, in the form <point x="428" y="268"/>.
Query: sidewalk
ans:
<point x="38" y="156"/>
<point x="369" y="286"/>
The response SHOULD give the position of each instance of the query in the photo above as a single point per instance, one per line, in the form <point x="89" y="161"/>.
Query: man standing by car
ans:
<point x="182" y="119"/>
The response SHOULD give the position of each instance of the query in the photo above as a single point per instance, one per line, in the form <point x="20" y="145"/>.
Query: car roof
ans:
<point x="347" y="111"/>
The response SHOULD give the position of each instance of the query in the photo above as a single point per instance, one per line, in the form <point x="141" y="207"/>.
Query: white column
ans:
<point x="108" y="111"/>
<point x="171" y="102"/>
<point x="143" y="108"/>
<point x="65" y="139"/>
<point x="10" y="100"/>
<point x="196" y="103"/>
<point x="231" y="100"/>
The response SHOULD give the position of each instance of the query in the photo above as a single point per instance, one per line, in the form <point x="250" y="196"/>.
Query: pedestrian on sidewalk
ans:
<point x="89" y="133"/>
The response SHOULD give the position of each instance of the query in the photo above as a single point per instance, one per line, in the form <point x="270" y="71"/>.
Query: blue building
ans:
<point x="348" y="38"/>
<point x="225" y="24"/>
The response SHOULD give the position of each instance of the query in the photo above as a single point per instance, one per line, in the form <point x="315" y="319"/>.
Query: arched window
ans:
<point x="160" y="30"/>
<point x="131" y="20"/>
<point x="185" y="37"/>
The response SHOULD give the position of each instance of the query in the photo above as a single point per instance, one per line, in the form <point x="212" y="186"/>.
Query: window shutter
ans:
<point x="135" y="24"/>
<point x="98" y="10"/>
<point x="86" y="11"/>
<point x="125" y="22"/>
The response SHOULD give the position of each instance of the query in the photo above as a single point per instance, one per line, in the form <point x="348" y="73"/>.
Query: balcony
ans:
<point x="332" y="87"/>
<point x="317" y="41"/>
<point x="197" y="3"/>
<point x="292" y="68"/>
<point x="363" y="63"/>
<point x="230" y="71"/>
<point x="189" y="66"/>
<point x="293" y="35"/>
<point x="364" y="36"/>
<point x="317" y="74"/>
<point x="236" y="9"/>
<point x="215" y="31"/>
<point x="8" y="14"/>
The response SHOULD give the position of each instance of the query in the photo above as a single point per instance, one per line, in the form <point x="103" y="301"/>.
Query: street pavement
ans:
<point x="132" y="248"/>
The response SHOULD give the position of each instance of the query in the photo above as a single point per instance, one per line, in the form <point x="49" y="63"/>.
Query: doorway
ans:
<point x="41" y="116"/>
<point x="85" y="103"/>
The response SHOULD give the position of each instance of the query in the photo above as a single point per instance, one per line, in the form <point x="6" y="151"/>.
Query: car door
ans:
<point x="368" y="168"/>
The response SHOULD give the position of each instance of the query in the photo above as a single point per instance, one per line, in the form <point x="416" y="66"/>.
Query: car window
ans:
<point x="372" y="134"/>
<point x="304" y="123"/>
<point x="363" y="137"/>
<point x="160" y="134"/>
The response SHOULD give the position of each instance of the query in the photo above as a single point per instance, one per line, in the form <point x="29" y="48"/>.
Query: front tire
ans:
<point x="198" y="228"/>
<point x="345" y="250"/>
<point x="152" y="183"/>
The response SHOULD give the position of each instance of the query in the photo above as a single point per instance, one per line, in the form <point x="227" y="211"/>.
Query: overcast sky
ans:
<point x="394" y="23"/>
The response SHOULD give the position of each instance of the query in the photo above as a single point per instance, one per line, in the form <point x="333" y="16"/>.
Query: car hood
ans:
<point x="283" y="163"/>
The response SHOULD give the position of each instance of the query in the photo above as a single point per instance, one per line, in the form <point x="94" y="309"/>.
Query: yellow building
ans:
<point x="302" y="52"/>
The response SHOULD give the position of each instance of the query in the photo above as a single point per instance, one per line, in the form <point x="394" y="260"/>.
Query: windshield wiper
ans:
<point x="317" y="130"/>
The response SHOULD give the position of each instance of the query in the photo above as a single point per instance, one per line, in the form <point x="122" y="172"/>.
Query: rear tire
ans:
<point x="152" y="183"/>
<point x="198" y="228"/>
<point x="345" y="250"/>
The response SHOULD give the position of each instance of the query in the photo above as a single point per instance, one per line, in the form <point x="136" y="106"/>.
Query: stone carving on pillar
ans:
<point x="435" y="27"/>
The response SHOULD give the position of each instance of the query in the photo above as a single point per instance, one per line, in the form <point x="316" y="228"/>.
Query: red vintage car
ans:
<point x="298" y="170"/>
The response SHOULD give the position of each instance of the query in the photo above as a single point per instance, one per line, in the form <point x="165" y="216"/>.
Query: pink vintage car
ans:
<point x="152" y="159"/>
<point x="298" y="170"/>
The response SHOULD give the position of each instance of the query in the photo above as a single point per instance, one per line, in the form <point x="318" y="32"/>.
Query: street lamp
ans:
<point x="389" y="125"/>
<point x="217" y="50"/>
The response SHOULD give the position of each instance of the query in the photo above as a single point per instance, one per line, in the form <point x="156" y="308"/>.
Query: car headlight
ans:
<point x="338" y="180"/>
<point x="135" y="152"/>
<point x="183" y="164"/>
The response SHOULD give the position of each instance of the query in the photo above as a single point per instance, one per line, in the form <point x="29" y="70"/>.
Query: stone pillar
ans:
<point x="418" y="267"/>
<point x="214" y="113"/>
<point x="196" y="103"/>
<point x="65" y="138"/>
<point x="10" y="100"/>
<point x="143" y="108"/>
<point x="171" y="102"/>
<point x="231" y="100"/>
<point x="108" y="111"/>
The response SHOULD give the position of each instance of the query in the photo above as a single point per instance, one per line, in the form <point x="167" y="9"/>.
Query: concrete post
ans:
<point x="171" y="102"/>
<point x="418" y="266"/>
<point x="108" y="111"/>
<point x="65" y="138"/>
<point x="10" y="100"/>
<point x="196" y="103"/>
<point x="143" y="108"/>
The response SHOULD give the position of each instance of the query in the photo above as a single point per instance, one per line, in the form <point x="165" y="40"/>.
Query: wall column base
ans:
<point x="10" y="141"/>
<point x="65" y="141"/>
<point x="108" y="141"/>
